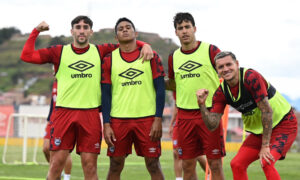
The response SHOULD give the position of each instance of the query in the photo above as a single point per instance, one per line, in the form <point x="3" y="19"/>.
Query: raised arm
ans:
<point x="29" y="54"/>
<point x="211" y="120"/>
<point x="146" y="52"/>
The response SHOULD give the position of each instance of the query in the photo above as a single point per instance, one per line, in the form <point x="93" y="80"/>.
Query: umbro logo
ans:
<point x="131" y="73"/>
<point x="190" y="66"/>
<point x="81" y="66"/>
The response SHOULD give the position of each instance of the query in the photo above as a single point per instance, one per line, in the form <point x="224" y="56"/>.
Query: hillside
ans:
<point x="36" y="79"/>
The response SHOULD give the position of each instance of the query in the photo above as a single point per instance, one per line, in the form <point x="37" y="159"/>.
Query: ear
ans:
<point x="136" y="34"/>
<point x="176" y="33"/>
<point x="71" y="31"/>
<point x="237" y="63"/>
<point x="195" y="28"/>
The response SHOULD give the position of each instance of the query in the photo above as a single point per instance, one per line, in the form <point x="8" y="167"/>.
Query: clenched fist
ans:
<point x="43" y="26"/>
<point x="201" y="96"/>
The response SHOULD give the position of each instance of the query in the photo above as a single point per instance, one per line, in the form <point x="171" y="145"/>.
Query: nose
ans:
<point x="81" y="30"/>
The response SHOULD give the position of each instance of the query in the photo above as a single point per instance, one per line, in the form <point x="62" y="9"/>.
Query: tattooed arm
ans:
<point x="266" y="119"/>
<point x="211" y="120"/>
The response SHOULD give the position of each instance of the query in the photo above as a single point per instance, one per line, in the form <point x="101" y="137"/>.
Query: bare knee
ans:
<point x="215" y="165"/>
<point x="189" y="165"/>
<point x="116" y="164"/>
<point x="152" y="165"/>
<point x="89" y="164"/>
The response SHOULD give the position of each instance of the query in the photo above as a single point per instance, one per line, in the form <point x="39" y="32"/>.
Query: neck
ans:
<point x="128" y="46"/>
<point x="190" y="46"/>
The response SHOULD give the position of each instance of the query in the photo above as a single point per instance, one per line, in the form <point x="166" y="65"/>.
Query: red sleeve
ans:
<point x="170" y="67"/>
<point x="213" y="51"/>
<point x="156" y="66"/>
<point x="106" y="69"/>
<point x="219" y="101"/>
<point x="106" y="48"/>
<point x="40" y="56"/>
<point x="140" y="43"/>
<point x="29" y="54"/>
<point x="256" y="85"/>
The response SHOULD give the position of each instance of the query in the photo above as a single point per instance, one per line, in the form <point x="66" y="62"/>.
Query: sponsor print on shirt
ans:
<point x="81" y="66"/>
<point x="131" y="73"/>
<point x="188" y="67"/>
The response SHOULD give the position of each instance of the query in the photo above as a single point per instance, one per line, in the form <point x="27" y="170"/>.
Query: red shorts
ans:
<point x="75" y="126"/>
<point x="282" y="138"/>
<point x="133" y="131"/>
<point x="47" y="131"/>
<point x="175" y="136"/>
<point x="194" y="139"/>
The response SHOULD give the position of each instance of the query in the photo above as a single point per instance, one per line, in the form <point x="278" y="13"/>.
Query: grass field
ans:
<point x="135" y="169"/>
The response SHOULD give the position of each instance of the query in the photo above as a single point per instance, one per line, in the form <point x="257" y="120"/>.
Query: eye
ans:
<point x="86" y="27"/>
<point x="180" y="28"/>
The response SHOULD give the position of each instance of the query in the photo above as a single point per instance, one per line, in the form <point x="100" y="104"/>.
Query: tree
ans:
<point x="7" y="33"/>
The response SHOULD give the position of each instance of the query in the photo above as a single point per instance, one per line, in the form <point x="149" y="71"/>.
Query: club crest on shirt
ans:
<point x="57" y="141"/>
<point x="179" y="151"/>
<point x="111" y="149"/>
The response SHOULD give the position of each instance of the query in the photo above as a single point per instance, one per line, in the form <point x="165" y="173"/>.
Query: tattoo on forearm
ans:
<point x="266" y="119"/>
<point x="211" y="120"/>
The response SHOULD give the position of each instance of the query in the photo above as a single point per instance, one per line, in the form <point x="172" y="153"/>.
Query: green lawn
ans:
<point x="135" y="169"/>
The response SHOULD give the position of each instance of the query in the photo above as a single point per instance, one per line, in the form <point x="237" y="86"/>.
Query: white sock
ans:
<point x="67" y="176"/>
<point x="179" y="178"/>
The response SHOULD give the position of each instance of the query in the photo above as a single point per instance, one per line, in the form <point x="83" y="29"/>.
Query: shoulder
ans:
<point x="107" y="57"/>
<point x="55" y="47"/>
<point x="252" y="76"/>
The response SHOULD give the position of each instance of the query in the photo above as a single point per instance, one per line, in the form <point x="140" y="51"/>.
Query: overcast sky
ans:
<point x="264" y="34"/>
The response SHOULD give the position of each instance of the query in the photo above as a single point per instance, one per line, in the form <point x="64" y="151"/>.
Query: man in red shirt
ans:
<point x="190" y="68"/>
<point x="76" y="119"/>
<point x="46" y="144"/>
<point x="133" y="102"/>
<point x="173" y="133"/>
<point x="266" y="115"/>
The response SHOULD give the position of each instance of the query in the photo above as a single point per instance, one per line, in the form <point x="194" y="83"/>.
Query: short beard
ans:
<point x="126" y="41"/>
<point x="81" y="43"/>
